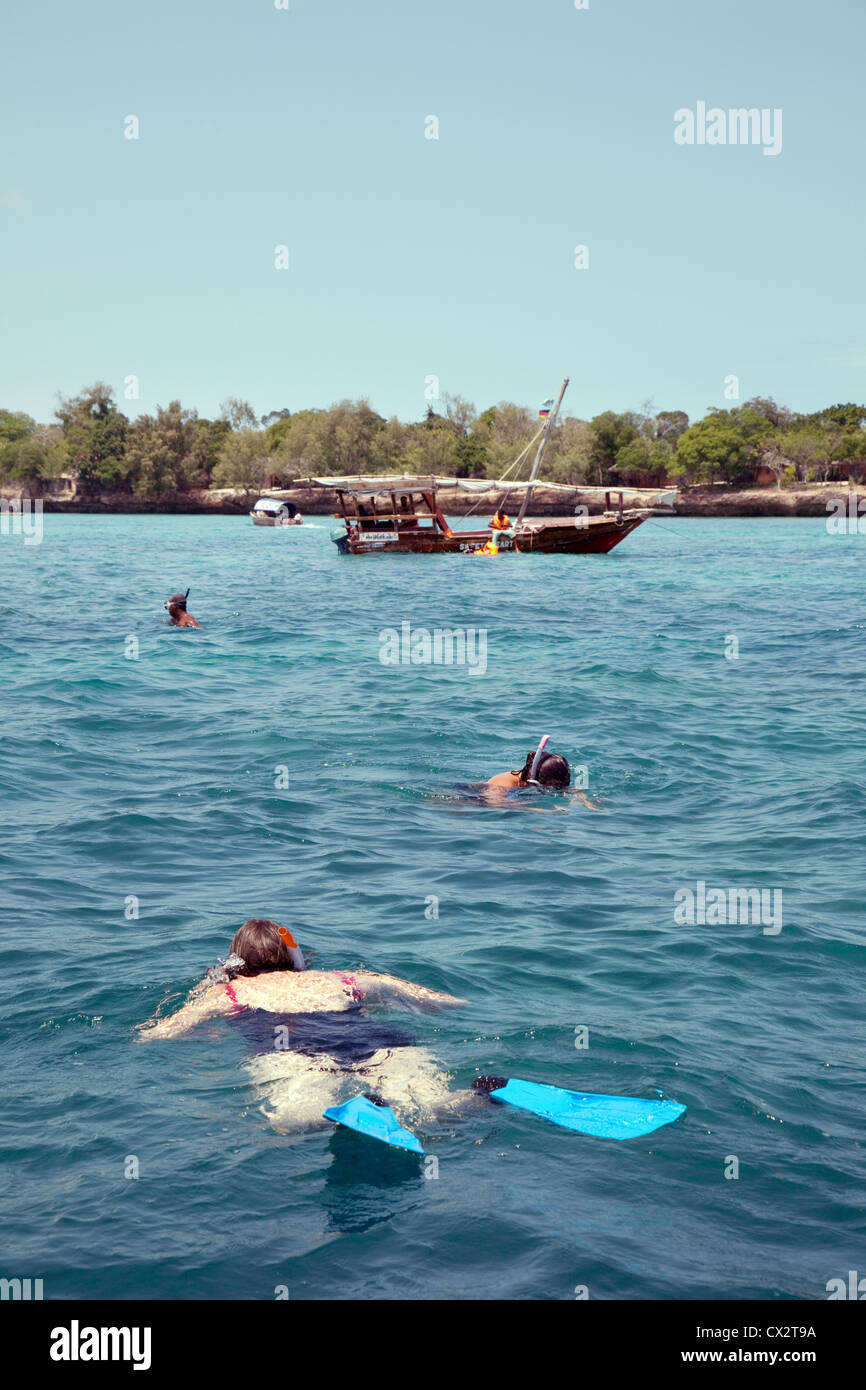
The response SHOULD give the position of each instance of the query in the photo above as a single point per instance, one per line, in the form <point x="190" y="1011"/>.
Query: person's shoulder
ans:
<point x="504" y="779"/>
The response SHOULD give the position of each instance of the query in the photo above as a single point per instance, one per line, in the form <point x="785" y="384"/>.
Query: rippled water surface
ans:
<point x="155" y="777"/>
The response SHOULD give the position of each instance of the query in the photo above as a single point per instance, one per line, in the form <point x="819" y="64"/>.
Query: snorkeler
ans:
<point x="176" y="606"/>
<point x="308" y="1030"/>
<point x="302" y="1063"/>
<point x="547" y="771"/>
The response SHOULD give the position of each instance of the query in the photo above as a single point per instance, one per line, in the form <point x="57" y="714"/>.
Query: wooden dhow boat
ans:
<point x="402" y="516"/>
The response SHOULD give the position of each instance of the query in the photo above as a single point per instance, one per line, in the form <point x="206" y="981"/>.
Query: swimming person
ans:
<point x="309" y="1033"/>
<point x="177" y="613"/>
<point x="547" y="771"/>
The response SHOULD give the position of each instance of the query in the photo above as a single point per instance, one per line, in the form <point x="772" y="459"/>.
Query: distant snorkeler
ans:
<point x="309" y="1033"/>
<point x="542" y="770"/>
<point x="177" y="613"/>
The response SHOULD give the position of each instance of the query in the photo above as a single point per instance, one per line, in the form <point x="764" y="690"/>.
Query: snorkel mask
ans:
<point x="294" y="950"/>
<point x="225" y="970"/>
<point x="177" y="601"/>
<point x="536" y="760"/>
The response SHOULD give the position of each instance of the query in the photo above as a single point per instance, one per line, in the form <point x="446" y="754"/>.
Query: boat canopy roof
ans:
<point x="368" y="486"/>
<point x="267" y="504"/>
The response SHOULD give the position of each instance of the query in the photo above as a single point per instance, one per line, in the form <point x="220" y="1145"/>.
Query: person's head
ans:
<point x="265" y="945"/>
<point x="176" y="604"/>
<point x="552" y="770"/>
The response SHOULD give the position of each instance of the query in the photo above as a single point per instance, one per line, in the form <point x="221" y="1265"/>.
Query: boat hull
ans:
<point x="265" y="519"/>
<point x="558" y="536"/>
<point x="407" y="543"/>
<point x="561" y="536"/>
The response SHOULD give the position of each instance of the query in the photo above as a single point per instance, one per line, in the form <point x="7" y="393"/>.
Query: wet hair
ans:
<point x="552" y="770"/>
<point x="261" y="947"/>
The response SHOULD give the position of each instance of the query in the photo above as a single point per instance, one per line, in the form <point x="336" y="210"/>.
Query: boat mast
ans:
<point x="551" y="420"/>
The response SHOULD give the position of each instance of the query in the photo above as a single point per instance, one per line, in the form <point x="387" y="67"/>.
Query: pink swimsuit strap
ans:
<point x="238" y="1008"/>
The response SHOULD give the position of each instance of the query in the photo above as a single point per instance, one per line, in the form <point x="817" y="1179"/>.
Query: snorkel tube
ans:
<point x="177" y="601"/>
<point x="537" y="759"/>
<point x="294" y="950"/>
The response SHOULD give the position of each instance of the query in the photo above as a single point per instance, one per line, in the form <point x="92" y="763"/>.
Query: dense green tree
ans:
<point x="848" y="418"/>
<point x="350" y="431"/>
<point x="670" y="424"/>
<point x="169" y="452"/>
<point x="30" y="452"/>
<point x="95" y="433"/>
<point x="779" y="416"/>
<point x="567" y="459"/>
<point x="470" y="458"/>
<point x="173" y="450"/>
<point x="726" y="444"/>
<point x="609" y="433"/>
<point x="14" y="426"/>
<point x="641" y="456"/>
<point x="297" y="445"/>
<point x="459" y="413"/>
<point x="505" y="430"/>
<point x="244" y="462"/>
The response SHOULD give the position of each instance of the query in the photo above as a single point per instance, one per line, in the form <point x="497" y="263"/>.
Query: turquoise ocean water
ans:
<point x="153" y="777"/>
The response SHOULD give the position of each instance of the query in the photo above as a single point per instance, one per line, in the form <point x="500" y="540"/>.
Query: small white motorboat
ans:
<point x="269" y="511"/>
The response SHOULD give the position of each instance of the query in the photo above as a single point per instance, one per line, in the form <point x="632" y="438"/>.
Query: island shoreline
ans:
<point x="810" y="500"/>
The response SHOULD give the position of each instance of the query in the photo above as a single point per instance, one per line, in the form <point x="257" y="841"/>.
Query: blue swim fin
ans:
<point x="608" y="1117"/>
<point x="376" y="1121"/>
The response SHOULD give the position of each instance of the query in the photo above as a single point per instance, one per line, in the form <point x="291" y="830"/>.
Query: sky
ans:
<point x="420" y="265"/>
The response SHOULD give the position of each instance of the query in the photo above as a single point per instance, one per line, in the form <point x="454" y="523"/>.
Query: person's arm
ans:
<point x="380" y="985"/>
<point x="593" y="805"/>
<point x="212" y="1003"/>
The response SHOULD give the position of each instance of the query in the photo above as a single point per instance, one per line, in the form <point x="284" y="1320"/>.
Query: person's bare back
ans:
<point x="289" y="992"/>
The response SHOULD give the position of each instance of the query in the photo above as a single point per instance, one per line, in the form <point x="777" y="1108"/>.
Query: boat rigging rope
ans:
<point x="651" y="520"/>
<point x="498" y="484"/>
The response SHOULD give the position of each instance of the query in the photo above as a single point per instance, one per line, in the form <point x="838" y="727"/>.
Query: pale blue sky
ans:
<point x="412" y="257"/>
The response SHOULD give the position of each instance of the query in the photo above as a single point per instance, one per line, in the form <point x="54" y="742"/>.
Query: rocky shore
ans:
<point x="799" y="500"/>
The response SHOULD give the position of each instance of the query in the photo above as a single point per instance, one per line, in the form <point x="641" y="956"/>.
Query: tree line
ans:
<point x="174" y="451"/>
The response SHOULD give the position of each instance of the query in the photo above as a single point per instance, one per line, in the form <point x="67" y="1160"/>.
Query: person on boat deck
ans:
<point x="177" y="613"/>
<point x="501" y="521"/>
<point x="552" y="773"/>
<point x="408" y="513"/>
<point x="308" y="1030"/>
